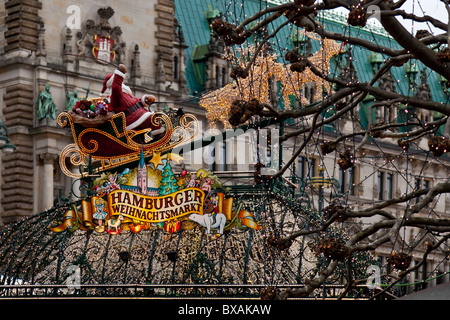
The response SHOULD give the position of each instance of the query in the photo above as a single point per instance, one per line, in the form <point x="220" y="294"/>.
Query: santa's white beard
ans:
<point x="125" y="89"/>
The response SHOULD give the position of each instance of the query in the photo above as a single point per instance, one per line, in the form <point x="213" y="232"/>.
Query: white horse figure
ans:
<point x="115" y="223"/>
<point x="207" y="221"/>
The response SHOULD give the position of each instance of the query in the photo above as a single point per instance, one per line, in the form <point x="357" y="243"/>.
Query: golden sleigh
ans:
<point x="105" y="144"/>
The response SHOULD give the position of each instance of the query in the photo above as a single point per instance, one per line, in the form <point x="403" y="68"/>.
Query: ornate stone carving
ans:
<point x="67" y="49"/>
<point x="136" y="64"/>
<point x="387" y="83"/>
<point x="41" y="50"/>
<point x="47" y="158"/>
<point x="424" y="91"/>
<point x="160" y="70"/>
<point x="100" y="40"/>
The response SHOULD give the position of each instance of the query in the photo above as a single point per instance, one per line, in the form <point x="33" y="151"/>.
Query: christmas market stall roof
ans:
<point x="195" y="16"/>
<point x="440" y="292"/>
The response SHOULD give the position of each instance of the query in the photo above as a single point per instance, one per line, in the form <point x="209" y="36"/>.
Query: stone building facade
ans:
<point x="53" y="43"/>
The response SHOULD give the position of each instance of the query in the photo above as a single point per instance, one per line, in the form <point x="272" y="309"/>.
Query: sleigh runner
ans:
<point x="106" y="141"/>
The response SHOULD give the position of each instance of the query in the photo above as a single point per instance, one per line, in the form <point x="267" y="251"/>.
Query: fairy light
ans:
<point x="256" y="85"/>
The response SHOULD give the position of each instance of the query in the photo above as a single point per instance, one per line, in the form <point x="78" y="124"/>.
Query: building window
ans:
<point x="390" y="114"/>
<point x="440" y="277"/>
<point x="58" y="193"/>
<point x="385" y="185"/>
<point x="217" y="77"/>
<point x="310" y="92"/>
<point x="390" y="185"/>
<point x="420" y="183"/>
<point x="224" y="76"/>
<point x="381" y="185"/>
<point x="347" y="181"/>
<point x="211" y="159"/>
<point x="306" y="168"/>
<point x="421" y="274"/>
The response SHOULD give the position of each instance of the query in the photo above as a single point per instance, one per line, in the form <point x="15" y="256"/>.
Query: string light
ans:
<point x="265" y="69"/>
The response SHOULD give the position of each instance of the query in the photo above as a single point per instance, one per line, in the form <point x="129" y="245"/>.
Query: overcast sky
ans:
<point x="434" y="8"/>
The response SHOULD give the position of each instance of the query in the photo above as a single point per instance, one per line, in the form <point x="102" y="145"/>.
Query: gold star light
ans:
<point x="156" y="159"/>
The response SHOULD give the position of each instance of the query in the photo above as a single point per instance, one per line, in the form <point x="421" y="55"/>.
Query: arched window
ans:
<point x="217" y="77"/>
<point x="224" y="76"/>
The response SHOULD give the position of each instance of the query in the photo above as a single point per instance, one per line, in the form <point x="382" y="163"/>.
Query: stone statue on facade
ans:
<point x="45" y="106"/>
<point x="71" y="99"/>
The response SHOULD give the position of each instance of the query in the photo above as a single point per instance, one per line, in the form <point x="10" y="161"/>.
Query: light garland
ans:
<point x="257" y="85"/>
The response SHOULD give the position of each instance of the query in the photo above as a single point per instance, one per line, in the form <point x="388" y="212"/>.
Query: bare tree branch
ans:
<point x="383" y="221"/>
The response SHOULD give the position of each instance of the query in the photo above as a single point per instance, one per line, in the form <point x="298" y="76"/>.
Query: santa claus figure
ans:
<point x="135" y="109"/>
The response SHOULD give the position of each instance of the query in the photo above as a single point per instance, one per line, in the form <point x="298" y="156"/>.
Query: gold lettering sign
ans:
<point x="156" y="209"/>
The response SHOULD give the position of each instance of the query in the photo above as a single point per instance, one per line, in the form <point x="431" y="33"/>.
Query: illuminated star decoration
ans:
<point x="156" y="160"/>
<point x="257" y="85"/>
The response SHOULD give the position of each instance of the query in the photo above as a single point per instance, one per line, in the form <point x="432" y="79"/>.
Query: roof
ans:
<point x="192" y="15"/>
<point x="440" y="292"/>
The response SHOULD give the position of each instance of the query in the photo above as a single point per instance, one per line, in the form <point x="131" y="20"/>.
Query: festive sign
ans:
<point x="153" y="196"/>
<point x="156" y="209"/>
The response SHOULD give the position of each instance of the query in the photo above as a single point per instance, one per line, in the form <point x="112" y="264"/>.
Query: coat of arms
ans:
<point x="103" y="49"/>
<point x="101" y="39"/>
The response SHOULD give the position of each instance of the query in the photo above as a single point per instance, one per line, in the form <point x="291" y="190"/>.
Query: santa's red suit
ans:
<point x="122" y="100"/>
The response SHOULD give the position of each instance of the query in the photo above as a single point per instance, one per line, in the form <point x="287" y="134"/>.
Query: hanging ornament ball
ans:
<point x="444" y="55"/>
<point x="420" y="34"/>
<point x="299" y="66"/>
<point x="357" y="17"/>
<point x="404" y="144"/>
<point x="254" y="106"/>
<point x="292" y="56"/>
<point x="333" y="248"/>
<point x="236" y="111"/>
<point x="335" y="210"/>
<point x="328" y="147"/>
<point x="400" y="261"/>
<point x="340" y="105"/>
<point x="439" y="146"/>
<point x="346" y="160"/>
<point x="221" y="27"/>
<point x="239" y="72"/>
